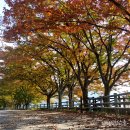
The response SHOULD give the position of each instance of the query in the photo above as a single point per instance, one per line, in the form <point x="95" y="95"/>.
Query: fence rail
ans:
<point x="115" y="102"/>
<point x="76" y="104"/>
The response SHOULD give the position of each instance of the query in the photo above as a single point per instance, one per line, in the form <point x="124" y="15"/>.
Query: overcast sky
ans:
<point x="2" y="4"/>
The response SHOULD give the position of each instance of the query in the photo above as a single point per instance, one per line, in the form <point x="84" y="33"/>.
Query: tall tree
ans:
<point x="61" y="70"/>
<point x="19" y="66"/>
<point x="102" y="27"/>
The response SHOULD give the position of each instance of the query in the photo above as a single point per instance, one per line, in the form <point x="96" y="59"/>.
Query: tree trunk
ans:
<point x="48" y="101"/>
<point x="106" y="96"/>
<point x="60" y="99"/>
<point x="85" y="96"/>
<point x="26" y="106"/>
<point x="70" y="95"/>
<point x="84" y="87"/>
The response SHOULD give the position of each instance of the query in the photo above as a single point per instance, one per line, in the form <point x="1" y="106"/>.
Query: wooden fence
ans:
<point x="76" y="104"/>
<point x="119" y="103"/>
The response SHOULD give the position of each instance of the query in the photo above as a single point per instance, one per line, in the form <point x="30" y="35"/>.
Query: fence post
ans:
<point x="95" y="105"/>
<point x="93" y="102"/>
<point x="124" y="102"/>
<point x="101" y="101"/>
<point x="89" y="104"/>
<point x="119" y="100"/>
<point x="115" y="99"/>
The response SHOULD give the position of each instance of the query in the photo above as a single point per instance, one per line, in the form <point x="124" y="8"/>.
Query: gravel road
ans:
<point x="45" y="120"/>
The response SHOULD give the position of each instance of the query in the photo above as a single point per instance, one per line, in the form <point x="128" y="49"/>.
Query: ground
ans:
<point x="53" y="120"/>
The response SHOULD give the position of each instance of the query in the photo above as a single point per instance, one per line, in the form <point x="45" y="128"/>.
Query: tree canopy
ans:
<point x="68" y="44"/>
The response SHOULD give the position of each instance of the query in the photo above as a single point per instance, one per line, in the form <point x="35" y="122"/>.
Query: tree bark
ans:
<point x="85" y="96"/>
<point x="48" y="101"/>
<point x="60" y="99"/>
<point x="106" y="96"/>
<point x="70" y="95"/>
<point x="26" y="106"/>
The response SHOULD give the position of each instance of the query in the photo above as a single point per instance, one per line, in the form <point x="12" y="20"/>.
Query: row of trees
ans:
<point x="64" y="47"/>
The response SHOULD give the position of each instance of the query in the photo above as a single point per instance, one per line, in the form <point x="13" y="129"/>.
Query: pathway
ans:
<point x="44" y="120"/>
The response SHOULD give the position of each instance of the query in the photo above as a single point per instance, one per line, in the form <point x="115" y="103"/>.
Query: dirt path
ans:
<point x="44" y="120"/>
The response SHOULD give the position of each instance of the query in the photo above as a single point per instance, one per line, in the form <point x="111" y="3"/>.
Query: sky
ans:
<point x="2" y="4"/>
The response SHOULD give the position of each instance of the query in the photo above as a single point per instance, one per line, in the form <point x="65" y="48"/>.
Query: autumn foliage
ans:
<point x="64" y="46"/>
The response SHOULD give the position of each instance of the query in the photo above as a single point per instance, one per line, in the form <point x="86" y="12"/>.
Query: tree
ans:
<point x="124" y="7"/>
<point x="20" y="67"/>
<point x="81" y="62"/>
<point x="103" y="30"/>
<point x="4" y="99"/>
<point x="22" y="96"/>
<point x="44" y="83"/>
<point x="46" y="57"/>
<point x="79" y="59"/>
